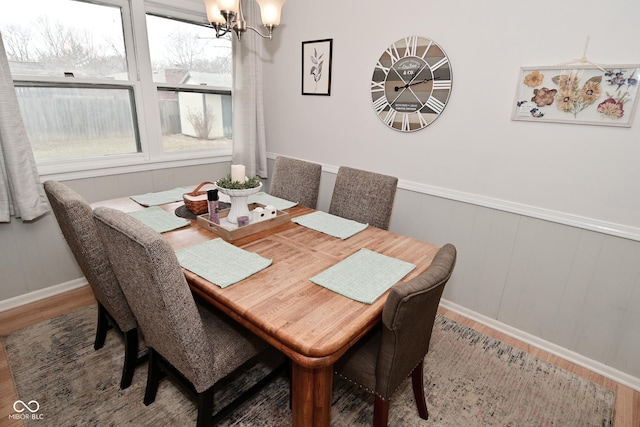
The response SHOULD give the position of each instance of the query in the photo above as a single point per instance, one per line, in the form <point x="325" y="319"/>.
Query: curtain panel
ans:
<point x="21" y="194"/>
<point x="249" y="140"/>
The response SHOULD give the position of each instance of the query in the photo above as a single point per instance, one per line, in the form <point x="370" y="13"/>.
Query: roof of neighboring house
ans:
<point x="210" y="79"/>
<point x="163" y="75"/>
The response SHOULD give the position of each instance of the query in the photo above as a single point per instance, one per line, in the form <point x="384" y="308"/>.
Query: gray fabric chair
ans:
<point x="363" y="196"/>
<point x="382" y="360"/>
<point x="187" y="341"/>
<point x="296" y="181"/>
<point x="75" y="218"/>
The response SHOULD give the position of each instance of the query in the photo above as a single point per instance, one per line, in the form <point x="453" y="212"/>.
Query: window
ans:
<point x="57" y="37"/>
<point x="78" y="122"/>
<point x="91" y="94"/>
<point x="188" y="56"/>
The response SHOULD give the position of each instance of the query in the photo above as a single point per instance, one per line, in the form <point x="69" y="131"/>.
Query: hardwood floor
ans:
<point x="627" y="410"/>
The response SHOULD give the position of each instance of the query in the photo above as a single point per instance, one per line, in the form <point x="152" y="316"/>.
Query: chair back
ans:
<point x="157" y="291"/>
<point x="75" y="218"/>
<point x="407" y="322"/>
<point x="296" y="181"/>
<point x="363" y="196"/>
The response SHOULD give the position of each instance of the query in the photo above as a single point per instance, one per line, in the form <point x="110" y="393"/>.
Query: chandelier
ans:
<point x="226" y="15"/>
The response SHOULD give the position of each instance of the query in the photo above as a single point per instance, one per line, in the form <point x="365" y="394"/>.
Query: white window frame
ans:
<point x="145" y="98"/>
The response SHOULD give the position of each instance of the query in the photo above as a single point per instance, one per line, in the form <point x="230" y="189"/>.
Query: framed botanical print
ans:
<point x="604" y="95"/>
<point x="316" y="67"/>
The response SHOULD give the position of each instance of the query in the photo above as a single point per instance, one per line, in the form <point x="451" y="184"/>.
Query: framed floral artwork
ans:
<point x="604" y="95"/>
<point x="316" y="67"/>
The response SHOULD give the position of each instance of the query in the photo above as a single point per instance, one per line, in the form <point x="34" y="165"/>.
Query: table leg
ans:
<point x="311" y="396"/>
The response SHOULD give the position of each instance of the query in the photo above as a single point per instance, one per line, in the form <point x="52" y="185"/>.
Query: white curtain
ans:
<point x="21" y="194"/>
<point x="249" y="141"/>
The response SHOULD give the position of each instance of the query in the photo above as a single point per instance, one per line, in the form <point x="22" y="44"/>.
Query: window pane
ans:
<point x="189" y="54"/>
<point x="194" y="120"/>
<point x="183" y="53"/>
<point x="73" y="123"/>
<point x="54" y="37"/>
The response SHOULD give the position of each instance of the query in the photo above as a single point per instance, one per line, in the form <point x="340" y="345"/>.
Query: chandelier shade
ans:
<point x="226" y="16"/>
<point x="270" y="10"/>
<point x="213" y="13"/>
<point x="228" y="5"/>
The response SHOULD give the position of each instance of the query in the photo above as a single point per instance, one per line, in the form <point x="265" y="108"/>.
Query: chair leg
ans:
<point x="102" y="328"/>
<point x="417" y="380"/>
<point x="205" y="408"/>
<point x="380" y="412"/>
<point x="130" y="357"/>
<point x="289" y="377"/>
<point x="154" y="374"/>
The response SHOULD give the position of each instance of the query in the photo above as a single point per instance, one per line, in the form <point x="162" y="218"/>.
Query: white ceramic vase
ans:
<point x="239" y="203"/>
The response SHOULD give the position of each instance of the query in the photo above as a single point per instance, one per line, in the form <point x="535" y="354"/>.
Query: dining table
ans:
<point x="311" y="325"/>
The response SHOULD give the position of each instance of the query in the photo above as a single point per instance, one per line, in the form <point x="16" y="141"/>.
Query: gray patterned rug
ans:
<point x="470" y="379"/>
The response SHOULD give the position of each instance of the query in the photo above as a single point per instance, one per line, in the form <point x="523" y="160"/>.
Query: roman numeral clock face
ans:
<point x="411" y="84"/>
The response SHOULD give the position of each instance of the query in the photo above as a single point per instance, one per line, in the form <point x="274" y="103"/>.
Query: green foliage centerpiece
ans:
<point x="229" y="184"/>
<point x="238" y="192"/>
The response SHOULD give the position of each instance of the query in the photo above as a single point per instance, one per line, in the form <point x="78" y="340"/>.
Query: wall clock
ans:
<point x="411" y="84"/>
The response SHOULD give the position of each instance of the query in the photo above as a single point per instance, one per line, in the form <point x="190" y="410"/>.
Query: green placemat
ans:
<point x="161" y="197"/>
<point x="363" y="276"/>
<point x="221" y="262"/>
<point x="332" y="225"/>
<point x="267" y="199"/>
<point x="159" y="219"/>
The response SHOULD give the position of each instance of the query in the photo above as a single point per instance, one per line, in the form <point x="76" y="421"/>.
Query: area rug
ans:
<point x="470" y="380"/>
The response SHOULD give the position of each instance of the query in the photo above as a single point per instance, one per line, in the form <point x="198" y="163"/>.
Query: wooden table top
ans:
<point x="310" y="324"/>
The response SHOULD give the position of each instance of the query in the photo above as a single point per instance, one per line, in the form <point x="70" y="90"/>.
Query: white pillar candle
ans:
<point x="238" y="173"/>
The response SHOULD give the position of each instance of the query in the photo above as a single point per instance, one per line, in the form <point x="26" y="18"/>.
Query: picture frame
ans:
<point x="316" y="67"/>
<point x="589" y="94"/>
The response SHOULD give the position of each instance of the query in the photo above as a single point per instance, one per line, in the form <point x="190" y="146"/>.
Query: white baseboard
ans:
<point x="41" y="294"/>
<point x="571" y="356"/>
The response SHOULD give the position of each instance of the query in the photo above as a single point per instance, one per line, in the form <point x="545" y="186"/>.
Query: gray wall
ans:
<point x="474" y="148"/>
<point x="546" y="215"/>
<point x="569" y="286"/>
<point x="574" y="288"/>
<point x="34" y="256"/>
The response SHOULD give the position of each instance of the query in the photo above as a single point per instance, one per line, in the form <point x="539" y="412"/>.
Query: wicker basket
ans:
<point x="196" y="201"/>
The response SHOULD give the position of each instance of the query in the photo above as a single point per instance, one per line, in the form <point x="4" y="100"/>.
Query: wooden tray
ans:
<point x="229" y="231"/>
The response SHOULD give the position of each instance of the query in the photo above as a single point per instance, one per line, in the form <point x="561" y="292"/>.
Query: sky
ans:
<point x="104" y="23"/>
<point x="100" y="22"/>
<point x="64" y="10"/>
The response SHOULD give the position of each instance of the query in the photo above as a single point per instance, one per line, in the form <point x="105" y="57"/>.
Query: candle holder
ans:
<point x="239" y="203"/>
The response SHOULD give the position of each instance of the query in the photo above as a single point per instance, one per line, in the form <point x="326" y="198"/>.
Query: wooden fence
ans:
<point x="51" y="113"/>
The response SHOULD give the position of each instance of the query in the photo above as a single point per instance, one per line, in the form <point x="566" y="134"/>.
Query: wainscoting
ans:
<point x="566" y="284"/>
<point x="572" y="290"/>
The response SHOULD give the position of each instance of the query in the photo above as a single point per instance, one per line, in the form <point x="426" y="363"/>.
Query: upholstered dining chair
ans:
<point x="186" y="340"/>
<point x="382" y="360"/>
<point x="296" y="180"/>
<point x="75" y="218"/>
<point x="363" y="196"/>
